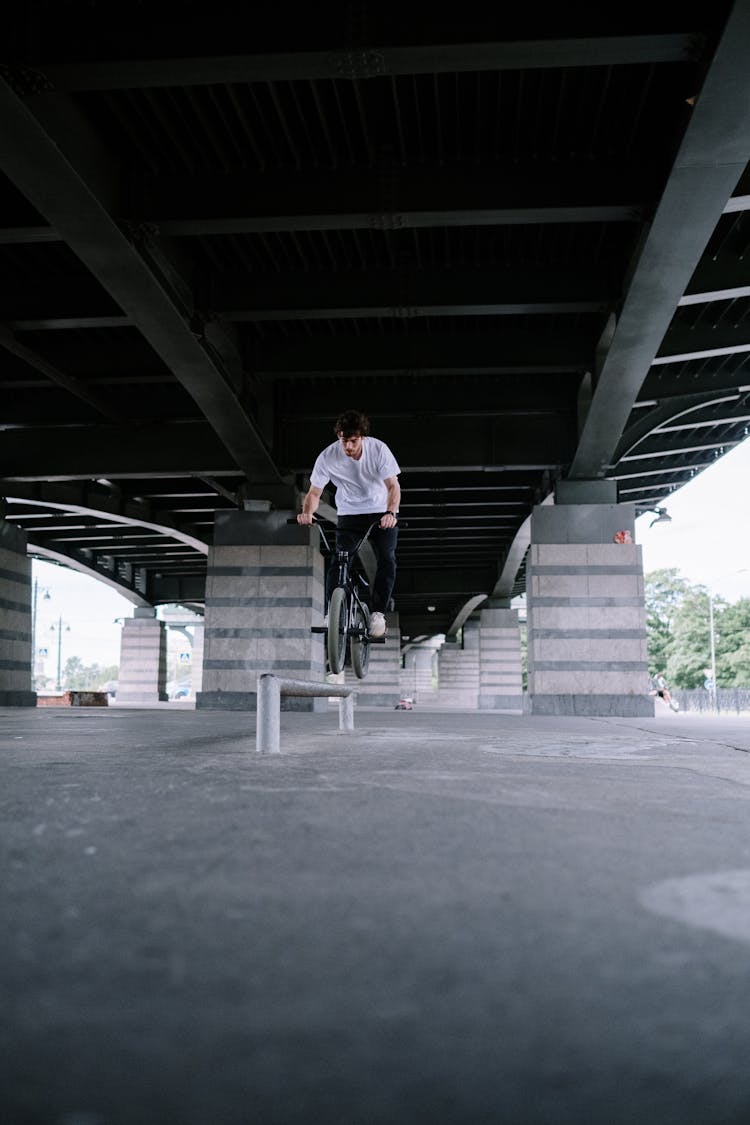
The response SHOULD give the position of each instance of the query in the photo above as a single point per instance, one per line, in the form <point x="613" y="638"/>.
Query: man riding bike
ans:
<point x="365" y="474"/>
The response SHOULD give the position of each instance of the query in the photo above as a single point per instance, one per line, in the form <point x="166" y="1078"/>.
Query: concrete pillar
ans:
<point x="586" y="610"/>
<point x="458" y="669"/>
<point x="381" y="686"/>
<point x="500" y="680"/>
<point x="264" y="592"/>
<point x="143" y="659"/>
<point x="417" y="677"/>
<point x="196" y="657"/>
<point x="16" y="642"/>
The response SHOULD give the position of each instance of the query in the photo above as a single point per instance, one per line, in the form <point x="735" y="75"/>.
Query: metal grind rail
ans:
<point x="270" y="690"/>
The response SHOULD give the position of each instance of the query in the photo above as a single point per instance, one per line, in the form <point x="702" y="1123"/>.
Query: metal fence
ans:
<point x="727" y="701"/>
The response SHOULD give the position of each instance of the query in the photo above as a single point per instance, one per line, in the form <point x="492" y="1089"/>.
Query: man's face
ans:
<point x="352" y="445"/>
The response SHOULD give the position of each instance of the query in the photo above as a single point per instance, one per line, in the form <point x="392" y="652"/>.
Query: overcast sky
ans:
<point x="708" y="541"/>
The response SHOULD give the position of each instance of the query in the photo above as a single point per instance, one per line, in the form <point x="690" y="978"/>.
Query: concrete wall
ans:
<point x="264" y="592"/>
<point x="381" y="686"/>
<point x="586" y="613"/>
<point x="143" y="659"/>
<point x="500" y="680"/>
<point x="458" y="670"/>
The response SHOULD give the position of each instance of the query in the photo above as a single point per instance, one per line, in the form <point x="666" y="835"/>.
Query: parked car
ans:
<point x="179" y="689"/>
<point x="405" y="704"/>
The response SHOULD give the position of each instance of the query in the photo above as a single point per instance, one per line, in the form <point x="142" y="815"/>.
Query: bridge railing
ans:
<point x="729" y="701"/>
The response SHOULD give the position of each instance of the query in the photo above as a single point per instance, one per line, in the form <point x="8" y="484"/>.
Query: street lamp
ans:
<point x="712" y="631"/>
<point x="662" y="515"/>
<point x="714" y="696"/>
<point x="46" y="595"/>
<point x="59" y="627"/>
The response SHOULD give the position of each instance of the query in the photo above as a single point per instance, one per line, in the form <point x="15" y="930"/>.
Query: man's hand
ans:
<point x="305" y="518"/>
<point x="388" y="520"/>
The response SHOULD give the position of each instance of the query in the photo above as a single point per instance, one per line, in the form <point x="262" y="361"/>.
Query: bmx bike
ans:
<point x="348" y="613"/>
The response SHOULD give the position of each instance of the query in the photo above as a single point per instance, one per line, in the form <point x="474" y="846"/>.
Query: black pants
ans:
<point x="349" y="531"/>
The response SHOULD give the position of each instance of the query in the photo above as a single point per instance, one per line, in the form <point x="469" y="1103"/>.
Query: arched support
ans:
<point x="76" y="564"/>
<point x="670" y="411"/>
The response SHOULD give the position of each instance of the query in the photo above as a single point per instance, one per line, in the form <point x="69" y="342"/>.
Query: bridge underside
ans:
<point x="519" y="246"/>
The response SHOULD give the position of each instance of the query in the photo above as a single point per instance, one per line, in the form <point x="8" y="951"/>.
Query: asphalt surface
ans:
<point x="448" y="918"/>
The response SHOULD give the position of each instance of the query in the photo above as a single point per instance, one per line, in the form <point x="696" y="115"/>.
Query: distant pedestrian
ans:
<point x="661" y="689"/>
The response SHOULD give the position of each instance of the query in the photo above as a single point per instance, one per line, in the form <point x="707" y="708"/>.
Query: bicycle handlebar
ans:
<point x="322" y="520"/>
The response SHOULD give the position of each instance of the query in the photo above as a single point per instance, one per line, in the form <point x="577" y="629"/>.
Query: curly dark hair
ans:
<point x="352" y="422"/>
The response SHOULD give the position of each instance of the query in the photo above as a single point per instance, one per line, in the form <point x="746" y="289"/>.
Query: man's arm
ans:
<point x="393" y="502"/>
<point x="310" y="505"/>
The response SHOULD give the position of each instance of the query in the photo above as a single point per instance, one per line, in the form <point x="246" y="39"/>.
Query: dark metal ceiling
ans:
<point x="518" y="243"/>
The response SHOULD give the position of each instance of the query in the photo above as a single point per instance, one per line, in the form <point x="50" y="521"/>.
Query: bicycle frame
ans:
<point x="344" y="559"/>
<point x="348" y="615"/>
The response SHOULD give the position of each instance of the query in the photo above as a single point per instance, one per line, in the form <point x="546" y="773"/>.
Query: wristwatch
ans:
<point x="391" y="513"/>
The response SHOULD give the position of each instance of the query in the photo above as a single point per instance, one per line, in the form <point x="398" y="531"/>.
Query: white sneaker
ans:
<point x="377" y="625"/>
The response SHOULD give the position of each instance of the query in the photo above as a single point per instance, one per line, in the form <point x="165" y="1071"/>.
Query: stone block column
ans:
<point x="417" y="676"/>
<point x="16" y="642"/>
<point x="500" y="680"/>
<point x="458" y="670"/>
<point x="586" y="610"/>
<point x="196" y="656"/>
<point x="381" y="686"/>
<point x="264" y="592"/>
<point x="143" y="659"/>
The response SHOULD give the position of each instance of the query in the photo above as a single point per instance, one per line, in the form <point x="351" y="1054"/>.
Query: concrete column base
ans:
<point x="17" y="699"/>
<point x="512" y="702"/>
<point x="374" y="699"/>
<point x="627" y="706"/>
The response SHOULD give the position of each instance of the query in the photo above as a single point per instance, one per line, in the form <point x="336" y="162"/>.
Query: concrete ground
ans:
<point x="447" y="918"/>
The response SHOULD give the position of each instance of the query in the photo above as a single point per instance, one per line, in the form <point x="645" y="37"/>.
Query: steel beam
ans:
<point x="372" y="62"/>
<point x="711" y="159"/>
<point x="34" y="162"/>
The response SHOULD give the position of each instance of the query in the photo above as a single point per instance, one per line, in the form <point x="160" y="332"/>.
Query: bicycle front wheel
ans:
<point x="360" y="649"/>
<point x="337" y="629"/>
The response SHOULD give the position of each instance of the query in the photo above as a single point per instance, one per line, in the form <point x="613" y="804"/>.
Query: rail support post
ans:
<point x="268" y="732"/>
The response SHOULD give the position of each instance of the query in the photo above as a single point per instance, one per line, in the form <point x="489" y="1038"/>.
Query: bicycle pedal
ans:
<point x="319" y="629"/>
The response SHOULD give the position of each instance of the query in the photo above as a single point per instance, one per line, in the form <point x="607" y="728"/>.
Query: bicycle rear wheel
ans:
<point x="360" y="649"/>
<point x="337" y="629"/>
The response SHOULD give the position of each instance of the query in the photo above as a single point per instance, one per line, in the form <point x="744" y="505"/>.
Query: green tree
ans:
<point x="732" y="629"/>
<point x="689" y="652"/>
<point x="665" y="591"/>
<point x="679" y="633"/>
<point x="77" y="676"/>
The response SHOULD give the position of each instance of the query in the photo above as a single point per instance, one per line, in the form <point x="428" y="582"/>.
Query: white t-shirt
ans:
<point x="359" y="484"/>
